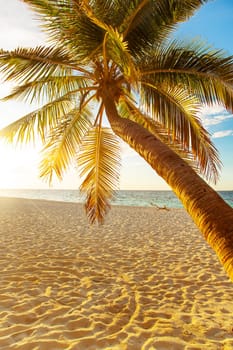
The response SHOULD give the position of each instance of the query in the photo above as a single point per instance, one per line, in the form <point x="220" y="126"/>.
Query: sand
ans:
<point x="146" y="280"/>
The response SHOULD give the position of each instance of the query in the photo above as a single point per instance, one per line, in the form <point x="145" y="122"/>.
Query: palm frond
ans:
<point x="49" y="88"/>
<point x="117" y="51"/>
<point x="66" y="24"/>
<point x="37" y="123"/>
<point x="63" y="144"/>
<point x="205" y="72"/>
<point x="99" y="162"/>
<point x="23" y="65"/>
<point x="148" y="23"/>
<point x="128" y="110"/>
<point x="178" y="112"/>
<point x="89" y="12"/>
<point x="178" y="10"/>
<point x="109" y="11"/>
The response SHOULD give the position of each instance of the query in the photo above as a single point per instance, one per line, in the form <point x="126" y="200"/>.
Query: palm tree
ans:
<point x="116" y="59"/>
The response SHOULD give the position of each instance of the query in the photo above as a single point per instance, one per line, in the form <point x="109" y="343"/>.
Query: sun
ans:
<point x="19" y="166"/>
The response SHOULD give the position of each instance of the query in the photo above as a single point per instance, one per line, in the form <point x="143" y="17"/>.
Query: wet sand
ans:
<point x="146" y="280"/>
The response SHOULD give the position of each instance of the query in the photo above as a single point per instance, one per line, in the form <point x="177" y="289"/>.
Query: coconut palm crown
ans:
<point x="115" y="59"/>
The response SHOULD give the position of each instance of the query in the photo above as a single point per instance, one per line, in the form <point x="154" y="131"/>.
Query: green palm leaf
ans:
<point x="205" y="72"/>
<point x="37" y="123"/>
<point x="177" y="111"/>
<point x="67" y="23"/>
<point x="110" y="12"/>
<point x="148" y="23"/>
<point x="99" y="162"/>
<point x="117" y="51"/>
<point x="63" y="144"/>
<point x="50" y="88"/>
<point x="24" y="65"/>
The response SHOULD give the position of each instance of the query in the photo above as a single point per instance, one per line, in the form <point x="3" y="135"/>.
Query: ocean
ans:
<point x="126" y="198"/>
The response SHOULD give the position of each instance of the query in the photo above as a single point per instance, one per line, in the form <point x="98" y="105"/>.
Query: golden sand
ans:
<point x="144" y="280"/>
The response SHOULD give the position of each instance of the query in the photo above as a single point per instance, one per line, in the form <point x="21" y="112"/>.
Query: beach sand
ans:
<point x="146" y="280"/>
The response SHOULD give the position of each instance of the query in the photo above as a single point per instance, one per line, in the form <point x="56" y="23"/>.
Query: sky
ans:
<point x="19" y="166"/>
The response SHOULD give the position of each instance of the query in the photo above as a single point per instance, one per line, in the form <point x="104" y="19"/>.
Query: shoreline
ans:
<point x="122" y="198"/>
<point x="146" y="279"/>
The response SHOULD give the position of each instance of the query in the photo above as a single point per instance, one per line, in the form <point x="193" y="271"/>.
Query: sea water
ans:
<point x="127" y="198"/>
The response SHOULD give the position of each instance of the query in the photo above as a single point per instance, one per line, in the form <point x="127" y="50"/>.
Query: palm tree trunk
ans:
<point x="212" y="215"/>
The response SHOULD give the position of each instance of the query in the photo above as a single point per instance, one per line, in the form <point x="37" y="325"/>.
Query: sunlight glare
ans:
<point x="15" y="165"/>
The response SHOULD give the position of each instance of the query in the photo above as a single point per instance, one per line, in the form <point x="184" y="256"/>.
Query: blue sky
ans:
<point x="19" y="168"/>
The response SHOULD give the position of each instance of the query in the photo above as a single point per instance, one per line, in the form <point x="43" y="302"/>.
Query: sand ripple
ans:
<point x="145" y="280"/>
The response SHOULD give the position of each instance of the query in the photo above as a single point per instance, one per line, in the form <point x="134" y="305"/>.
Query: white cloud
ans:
<point x="215" y="109"/>
<point x="222" y="133"/>
<point x="215" y="120"/>
<point x="214" y="115"/>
